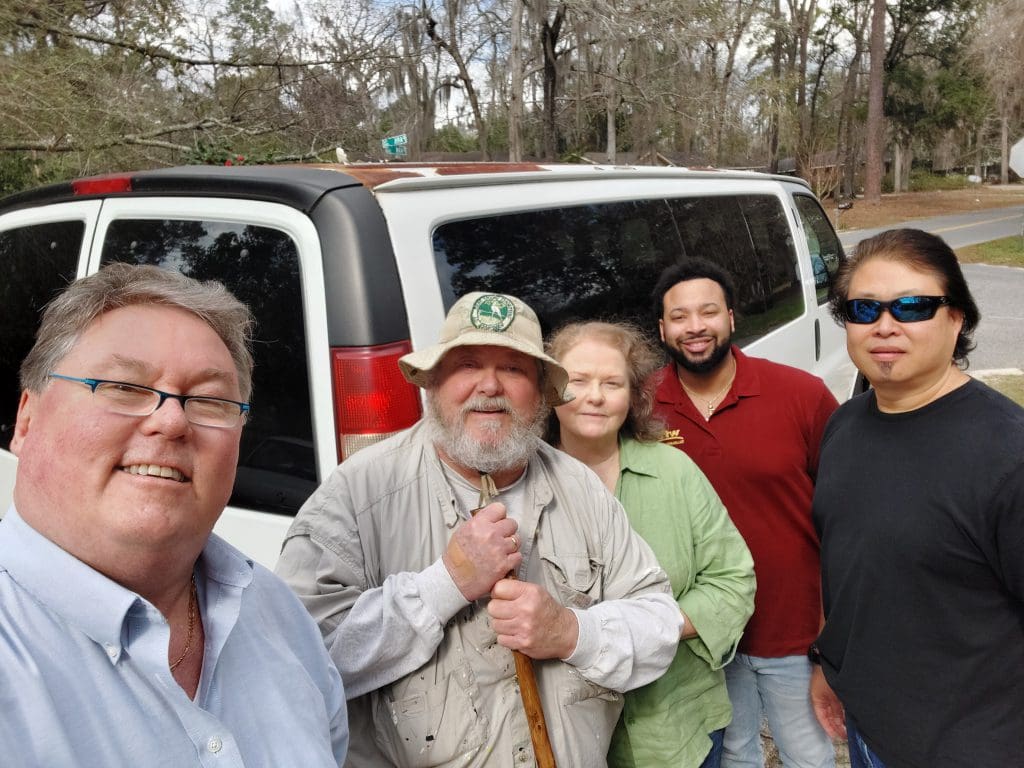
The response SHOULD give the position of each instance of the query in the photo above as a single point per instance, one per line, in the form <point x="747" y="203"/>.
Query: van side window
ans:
<point x="277" y="468"/>
<point x="602" y="260"/>
<point x="38" y="262"/>
<point x="825" y="248"/>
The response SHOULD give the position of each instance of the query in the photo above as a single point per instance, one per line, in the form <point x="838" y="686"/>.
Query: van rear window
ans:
<point x="277" y="467"/>
<point x="602" y="260"/>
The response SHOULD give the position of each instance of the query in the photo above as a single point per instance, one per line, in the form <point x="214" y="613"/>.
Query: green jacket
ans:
<point x="674" y="508"/>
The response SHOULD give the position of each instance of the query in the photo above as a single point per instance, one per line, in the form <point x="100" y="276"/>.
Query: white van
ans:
<point x="348" y="267"/>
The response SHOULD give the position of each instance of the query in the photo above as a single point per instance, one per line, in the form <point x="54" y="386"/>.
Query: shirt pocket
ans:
<point x="577" y="578"/>
<point x="421" y="725"/>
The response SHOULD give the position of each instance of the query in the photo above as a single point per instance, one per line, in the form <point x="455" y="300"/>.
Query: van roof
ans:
<point x="302" y="185"/>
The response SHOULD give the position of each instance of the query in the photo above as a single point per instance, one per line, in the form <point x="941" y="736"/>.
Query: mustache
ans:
<point x="487" y="404"/>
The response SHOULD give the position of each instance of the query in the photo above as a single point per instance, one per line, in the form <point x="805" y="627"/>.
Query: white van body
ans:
<point x="348" y="267"/>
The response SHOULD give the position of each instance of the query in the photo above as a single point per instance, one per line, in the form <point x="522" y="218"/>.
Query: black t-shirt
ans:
<point x="921" y="518"/>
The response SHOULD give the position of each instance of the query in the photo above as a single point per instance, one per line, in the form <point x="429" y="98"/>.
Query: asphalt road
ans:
<point x="999" y="291"/>
<point x="959" y="230"/>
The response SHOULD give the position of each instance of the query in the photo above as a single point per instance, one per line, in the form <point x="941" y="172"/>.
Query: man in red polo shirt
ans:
<point x="754" y="428"/>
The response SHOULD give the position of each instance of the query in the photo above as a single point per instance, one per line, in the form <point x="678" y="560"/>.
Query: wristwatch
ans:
<point x="814" y="654"/>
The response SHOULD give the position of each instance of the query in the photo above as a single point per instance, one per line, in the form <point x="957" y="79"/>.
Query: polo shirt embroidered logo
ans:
<point x="672" y="437"/>
<point x="492" y="313"/>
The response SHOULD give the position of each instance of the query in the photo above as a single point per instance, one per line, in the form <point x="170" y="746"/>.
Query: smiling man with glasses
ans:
<point x="129" y="633"/>
<point x="920" y="509"/>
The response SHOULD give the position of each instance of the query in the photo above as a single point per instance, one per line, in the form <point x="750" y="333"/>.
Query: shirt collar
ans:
<point x="224" y="564"/>
<point x="633" y="458"/>
<point x="84" y="597"/>
<point x="746" y="384"/>
<point x="81" y="596"/>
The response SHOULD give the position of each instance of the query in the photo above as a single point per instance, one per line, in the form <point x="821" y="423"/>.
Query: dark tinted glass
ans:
<point x="601" y="261"/>
<point x="825" y="248"/>
<point x="906" y="309"/>
<point x="36" y="263"/>
<point x="261" y="267"/>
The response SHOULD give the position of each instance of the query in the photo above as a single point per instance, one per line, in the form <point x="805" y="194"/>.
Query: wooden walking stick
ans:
<point x="528" y="690"/>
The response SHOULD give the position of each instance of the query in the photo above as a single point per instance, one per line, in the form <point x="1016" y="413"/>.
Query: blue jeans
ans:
<point x="861" y="755"/>
<point x="714" y="757"/>
<point x="778" y="689"/>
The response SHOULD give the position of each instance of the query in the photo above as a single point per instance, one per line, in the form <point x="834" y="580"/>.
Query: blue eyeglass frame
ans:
<point x="902" y="309"/>
<point x="243" y="408"/>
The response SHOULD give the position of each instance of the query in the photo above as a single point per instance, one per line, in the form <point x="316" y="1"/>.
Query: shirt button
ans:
<point x="111" y="650"/>
<point x="215" y="745"/>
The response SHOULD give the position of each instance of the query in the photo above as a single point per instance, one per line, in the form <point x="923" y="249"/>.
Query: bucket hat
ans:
<point x="494" y="320"/>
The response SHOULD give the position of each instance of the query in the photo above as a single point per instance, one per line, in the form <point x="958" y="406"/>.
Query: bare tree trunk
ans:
<point x="451" y="47"/>
<point x="714" y="134"/>
<point x="876" y="118"/>
<point x="848" y="154"/>
<point x="802" y="14"/>
<point x="549" y="34"/>
<point x="611" y="104"/>
<point x="978" y="143"/>
<point x="776" y="103"/>
<point x="908" y="164"/>
<point x="1004" y="150"/>
<point x="742" y="22"/>
<point x="897" y="166"/>
<point x="611" y="56"/>
<point x="515" y="96"/>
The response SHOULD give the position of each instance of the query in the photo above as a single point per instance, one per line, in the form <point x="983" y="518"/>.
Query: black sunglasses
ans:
<point x="905" y="309"/>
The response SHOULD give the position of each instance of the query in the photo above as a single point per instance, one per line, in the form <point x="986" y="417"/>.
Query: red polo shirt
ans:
<point x="760" y="452"/>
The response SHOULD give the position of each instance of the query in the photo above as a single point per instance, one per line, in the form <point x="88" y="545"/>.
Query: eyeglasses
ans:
<point x="905" y="309"/>
<point x="136" y="400"/>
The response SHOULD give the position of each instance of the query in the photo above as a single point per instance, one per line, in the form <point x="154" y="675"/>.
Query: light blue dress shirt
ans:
<point x="84" y="678"/>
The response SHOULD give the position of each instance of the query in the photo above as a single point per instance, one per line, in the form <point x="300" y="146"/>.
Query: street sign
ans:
<point x="395" y="145"/>
<point x="1017" y="158"/>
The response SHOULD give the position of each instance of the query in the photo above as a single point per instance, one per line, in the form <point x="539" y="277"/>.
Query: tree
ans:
<point x="802" y="16"/>
<point x="516" y="76"/>
<point x="92" y="85"/>
<point x="449" y="37"/>
<point x="548" y="18"/>
<point x="876" y="97"/>
<point x="100" y="86"/>
<point x="998" y="49"/>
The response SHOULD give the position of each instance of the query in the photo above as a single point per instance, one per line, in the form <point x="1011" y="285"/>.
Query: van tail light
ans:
<point x="102" y="185"/>
<point x="372" y="400"/>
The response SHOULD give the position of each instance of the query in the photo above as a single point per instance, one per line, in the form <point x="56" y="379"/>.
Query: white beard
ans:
<point x="488" y="455"/>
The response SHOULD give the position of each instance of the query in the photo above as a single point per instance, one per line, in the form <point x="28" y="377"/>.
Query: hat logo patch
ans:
<point x="492" y="313"/>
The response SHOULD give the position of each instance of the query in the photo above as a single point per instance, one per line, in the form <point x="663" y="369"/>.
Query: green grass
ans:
<point x="1007" y="252"/>
<point x="929" y="182"/>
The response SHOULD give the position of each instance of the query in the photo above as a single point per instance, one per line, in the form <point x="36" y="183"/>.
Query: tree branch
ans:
<point x="158" y="52"/>
<point x="65" y="143"/>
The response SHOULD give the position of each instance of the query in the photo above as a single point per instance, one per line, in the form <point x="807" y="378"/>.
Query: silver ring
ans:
<point x="515" y="543"/>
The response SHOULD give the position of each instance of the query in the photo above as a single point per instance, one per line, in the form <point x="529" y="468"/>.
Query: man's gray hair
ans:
<point x="124" y="285"/>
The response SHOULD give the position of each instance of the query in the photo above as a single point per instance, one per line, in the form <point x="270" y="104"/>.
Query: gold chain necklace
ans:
<point x="711" y="403"/>
<point x="191" y="623"/>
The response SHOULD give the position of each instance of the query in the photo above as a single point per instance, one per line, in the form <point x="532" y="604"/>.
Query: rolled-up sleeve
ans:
<point x="631" y="636"/>
<point x="375" y="633"/>
<point x="721" y="599"/>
